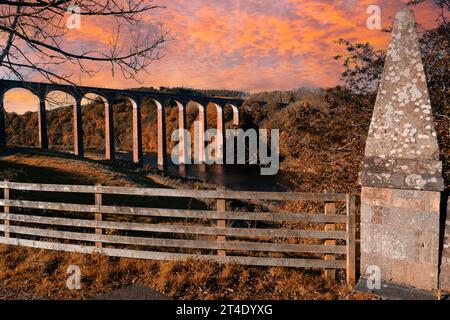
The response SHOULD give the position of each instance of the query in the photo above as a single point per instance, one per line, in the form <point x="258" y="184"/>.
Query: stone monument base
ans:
<point x="400" y="235"/>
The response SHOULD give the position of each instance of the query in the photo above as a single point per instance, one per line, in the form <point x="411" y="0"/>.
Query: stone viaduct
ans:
<point x="136" y="97"/>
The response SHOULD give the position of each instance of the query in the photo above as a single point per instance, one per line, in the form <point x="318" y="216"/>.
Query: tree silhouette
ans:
<point x="35" y="36"/>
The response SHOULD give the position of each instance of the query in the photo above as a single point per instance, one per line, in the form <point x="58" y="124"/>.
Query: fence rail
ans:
<point x="98" y="228"/>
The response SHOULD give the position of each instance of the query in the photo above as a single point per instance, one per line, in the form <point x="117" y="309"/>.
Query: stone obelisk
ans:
<point x="402" y="176"/>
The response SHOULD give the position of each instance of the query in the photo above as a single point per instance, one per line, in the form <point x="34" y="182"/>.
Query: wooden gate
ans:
<point x="324" y="240"/>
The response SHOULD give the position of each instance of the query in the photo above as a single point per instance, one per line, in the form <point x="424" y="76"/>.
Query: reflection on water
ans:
<point x="234" y="177"/>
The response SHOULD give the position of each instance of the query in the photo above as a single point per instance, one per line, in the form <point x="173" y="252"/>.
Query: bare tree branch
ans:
<point x="36" y="38"/>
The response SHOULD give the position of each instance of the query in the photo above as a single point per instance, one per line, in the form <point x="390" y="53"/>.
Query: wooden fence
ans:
<point x="260" y="239"/>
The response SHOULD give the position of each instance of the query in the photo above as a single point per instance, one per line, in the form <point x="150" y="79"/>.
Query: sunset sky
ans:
<point x="249" y="45"/>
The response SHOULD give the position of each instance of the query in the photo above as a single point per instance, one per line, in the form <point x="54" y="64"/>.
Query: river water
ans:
<point x="234" y="177"/>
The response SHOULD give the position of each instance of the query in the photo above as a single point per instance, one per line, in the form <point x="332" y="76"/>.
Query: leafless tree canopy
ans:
<point x="34" y="37"/>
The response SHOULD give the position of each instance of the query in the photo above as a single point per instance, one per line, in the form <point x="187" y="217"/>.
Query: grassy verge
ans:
<point x="42" y="274"/>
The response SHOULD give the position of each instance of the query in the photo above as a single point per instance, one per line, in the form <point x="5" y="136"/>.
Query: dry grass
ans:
<point x="40" y="274"/>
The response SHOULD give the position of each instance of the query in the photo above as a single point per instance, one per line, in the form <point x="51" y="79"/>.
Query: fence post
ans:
<point x="98" y="215"/>
<point x="330" y="274"/>
<point x="221" y="206"/>
<point x="6" y="197"/>
<point x="351" y="240"/>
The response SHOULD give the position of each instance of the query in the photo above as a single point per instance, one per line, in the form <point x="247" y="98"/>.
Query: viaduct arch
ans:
<point x="109" y="96"/>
